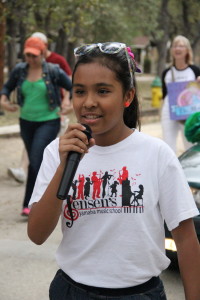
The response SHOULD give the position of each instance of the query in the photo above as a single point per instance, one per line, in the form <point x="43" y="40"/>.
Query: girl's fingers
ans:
<point x="76" y="131"/>
<point x="74" y="139"/>
<point x="74" y="144"/>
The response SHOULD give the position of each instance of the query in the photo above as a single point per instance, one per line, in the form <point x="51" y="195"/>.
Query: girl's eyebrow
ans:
<point x="98" y="84"/>
<point x="78" y="85"/>
<point x="104" y="84"/>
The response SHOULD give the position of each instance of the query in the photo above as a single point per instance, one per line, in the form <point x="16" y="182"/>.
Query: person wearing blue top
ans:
<point x="38" y="86"/>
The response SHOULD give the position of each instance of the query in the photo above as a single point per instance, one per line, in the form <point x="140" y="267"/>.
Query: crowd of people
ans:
<point x="127" y="183"/>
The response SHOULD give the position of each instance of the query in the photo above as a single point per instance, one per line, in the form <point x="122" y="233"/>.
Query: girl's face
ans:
<point x="179" y="50"/>
<point x="98" y="101"/>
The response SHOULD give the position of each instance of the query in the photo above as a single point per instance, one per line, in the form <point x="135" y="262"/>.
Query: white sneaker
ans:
<point x="18" y="174"/>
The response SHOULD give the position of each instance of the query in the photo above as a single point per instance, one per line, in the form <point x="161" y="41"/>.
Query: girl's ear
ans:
<point x="129" y="97"/>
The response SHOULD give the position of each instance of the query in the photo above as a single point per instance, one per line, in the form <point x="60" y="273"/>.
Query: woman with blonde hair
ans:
<point x="181" y="69"/>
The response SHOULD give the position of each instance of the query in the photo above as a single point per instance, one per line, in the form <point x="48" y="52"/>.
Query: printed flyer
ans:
<point x="184" y="99"/>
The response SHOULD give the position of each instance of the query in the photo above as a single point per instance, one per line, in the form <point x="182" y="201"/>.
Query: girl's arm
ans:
<point x="45" y="214"/>
<point x="188" y="250"/>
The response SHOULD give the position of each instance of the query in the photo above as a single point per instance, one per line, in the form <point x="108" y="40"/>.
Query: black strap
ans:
<point x="173" y="77"/>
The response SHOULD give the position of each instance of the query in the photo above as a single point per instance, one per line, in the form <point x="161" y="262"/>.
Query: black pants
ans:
<point x="63" y="288"/>
<point x="36" y="136"/>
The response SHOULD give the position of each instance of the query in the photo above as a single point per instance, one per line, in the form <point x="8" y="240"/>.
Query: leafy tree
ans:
<point x="71" y="22"/>
<point x="2" y="33"/>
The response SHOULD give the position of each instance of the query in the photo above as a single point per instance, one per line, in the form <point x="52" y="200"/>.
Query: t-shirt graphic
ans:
<point x="113" y="191"/>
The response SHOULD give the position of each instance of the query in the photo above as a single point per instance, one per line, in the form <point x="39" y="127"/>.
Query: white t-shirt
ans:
<point x="121" y="196"/>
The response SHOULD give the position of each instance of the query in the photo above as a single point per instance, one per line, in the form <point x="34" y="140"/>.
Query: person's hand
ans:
<point x="7" y="105"/>
<point x="66" y="105"/>
<point x="198" y="79"/>
<point x="66" y="109"/>
<point x="11" y="107"/>
<point x="74" y="139"/>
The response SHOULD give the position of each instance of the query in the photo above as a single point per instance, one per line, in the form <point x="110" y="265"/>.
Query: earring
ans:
<point x="126" y="104"/>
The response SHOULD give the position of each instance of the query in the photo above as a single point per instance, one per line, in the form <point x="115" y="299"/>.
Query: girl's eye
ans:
<point x="103" y="91"/>
<point x="79" y="92"/>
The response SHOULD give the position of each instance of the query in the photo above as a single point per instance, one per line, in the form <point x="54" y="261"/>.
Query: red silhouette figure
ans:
<point x="81" y="181"/>
<point x="123" y="175"/>
<point x="96" y="185"/>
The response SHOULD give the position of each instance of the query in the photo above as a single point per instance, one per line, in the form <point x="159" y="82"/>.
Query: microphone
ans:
<point x="70" y="168"/>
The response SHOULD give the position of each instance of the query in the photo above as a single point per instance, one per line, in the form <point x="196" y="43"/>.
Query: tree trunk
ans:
<point x="2" y="48"/>
<point x="61" y="42"/>
<point x="11" y="44"/>
<point x="161" y="43"/>
<point x="70" y="54"/>
<point x="22" y="35"/>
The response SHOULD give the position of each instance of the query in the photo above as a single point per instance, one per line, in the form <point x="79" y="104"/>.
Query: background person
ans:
<point x="122" y="242"/>
<point x="182" y="69"/>
<point x="38" y="96"/>
<point x="53" y="57"/>
<point x="20" y="173"/>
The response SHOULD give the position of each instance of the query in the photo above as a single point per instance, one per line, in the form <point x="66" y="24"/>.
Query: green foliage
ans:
<point x="88" y="21"/>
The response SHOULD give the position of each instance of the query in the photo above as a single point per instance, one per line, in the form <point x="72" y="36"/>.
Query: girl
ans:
<point x="182" y="69"/>
<point x="113" y="245"/>
<point x="38" y="95"/>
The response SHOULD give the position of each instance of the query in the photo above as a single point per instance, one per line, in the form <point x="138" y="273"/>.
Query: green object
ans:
<point x="156" y="82"/>
<point x="192" y="128"/>
<point x="36" y="103"/>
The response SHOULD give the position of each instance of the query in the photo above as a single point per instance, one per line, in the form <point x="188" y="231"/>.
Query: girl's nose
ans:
<point x="90" y="100"/>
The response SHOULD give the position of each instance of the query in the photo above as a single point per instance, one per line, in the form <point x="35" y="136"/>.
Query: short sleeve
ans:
<point x="176" y="201"/>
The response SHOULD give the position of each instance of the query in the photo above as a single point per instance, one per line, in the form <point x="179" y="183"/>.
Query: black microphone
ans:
<point x="71" y="166"/>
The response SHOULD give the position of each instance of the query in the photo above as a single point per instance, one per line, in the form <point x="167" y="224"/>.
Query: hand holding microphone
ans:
<point x="71" y="166"/>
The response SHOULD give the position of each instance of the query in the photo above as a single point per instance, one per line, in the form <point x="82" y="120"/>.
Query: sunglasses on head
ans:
<point x="107" y="48"/>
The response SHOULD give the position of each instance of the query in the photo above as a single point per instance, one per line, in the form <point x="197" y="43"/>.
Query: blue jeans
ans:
<point x="36" y="136"/>
<point x="62" y="289"/>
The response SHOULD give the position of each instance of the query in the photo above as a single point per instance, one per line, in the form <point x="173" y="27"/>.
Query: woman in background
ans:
<point x="182" y="69"/>
<point x="38" y="95"/>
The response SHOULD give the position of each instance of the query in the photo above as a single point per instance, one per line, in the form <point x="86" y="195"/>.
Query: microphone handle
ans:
<point x="68" y="176"/>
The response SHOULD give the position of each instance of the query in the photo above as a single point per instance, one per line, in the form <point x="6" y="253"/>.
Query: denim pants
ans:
<point x="62" y="289"/>
<point x="36" y="136"/>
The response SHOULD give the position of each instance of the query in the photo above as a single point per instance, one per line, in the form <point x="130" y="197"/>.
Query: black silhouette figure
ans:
<point x="138" y="195"/>
<point x="87" y="187"/>
<point x="114" y="188"/>
<point x="105" y="178"/>
<point x="74" y="187"/>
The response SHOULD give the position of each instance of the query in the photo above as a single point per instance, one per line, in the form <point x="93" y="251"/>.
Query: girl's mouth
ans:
<point x="91" y="117"/>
